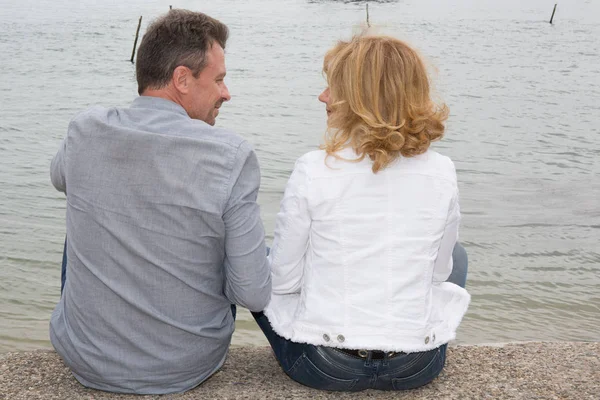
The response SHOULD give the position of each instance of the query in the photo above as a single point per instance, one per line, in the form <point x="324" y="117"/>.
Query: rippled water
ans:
<point x="524" y="133"/>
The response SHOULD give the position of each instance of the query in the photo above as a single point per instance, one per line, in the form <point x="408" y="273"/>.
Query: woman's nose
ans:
<point x="324" y="96"/>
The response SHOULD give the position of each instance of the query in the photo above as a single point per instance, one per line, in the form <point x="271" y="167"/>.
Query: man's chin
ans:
<point x="209" y="120"/>
<point x="214" y="118"/>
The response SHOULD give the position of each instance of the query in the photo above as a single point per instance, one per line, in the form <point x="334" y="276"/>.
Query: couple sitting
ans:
<point x="364" y="283"/>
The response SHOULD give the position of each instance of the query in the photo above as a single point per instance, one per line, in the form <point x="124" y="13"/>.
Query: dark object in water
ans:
<point x="553" y="11"/>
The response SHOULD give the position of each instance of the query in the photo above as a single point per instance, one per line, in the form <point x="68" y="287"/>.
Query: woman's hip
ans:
<point x="329" y="368"/>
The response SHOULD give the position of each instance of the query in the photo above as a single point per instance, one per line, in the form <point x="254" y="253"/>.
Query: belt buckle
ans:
<point x="365" y="353"/>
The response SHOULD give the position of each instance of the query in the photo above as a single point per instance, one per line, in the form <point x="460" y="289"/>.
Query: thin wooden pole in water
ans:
<point x="553" y="11"/>
<point x="368" y="23"/>
<point x="136" y="38"/>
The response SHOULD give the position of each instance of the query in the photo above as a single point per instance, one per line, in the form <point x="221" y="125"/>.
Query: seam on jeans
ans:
<point x="295" y="365"/>
<point x="372" y="380"/>
<point x="417" y="376"/>
<point x="332" y="361"/>
<point x="352" y="382"/>
<point x="346" y="354"/>
<point x="412" y="363"/>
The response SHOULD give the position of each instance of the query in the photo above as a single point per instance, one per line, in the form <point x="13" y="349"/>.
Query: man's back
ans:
<point x="163" y="235"/>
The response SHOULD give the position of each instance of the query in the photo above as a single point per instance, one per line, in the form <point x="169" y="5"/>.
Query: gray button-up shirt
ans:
<point x="164" y="233"/>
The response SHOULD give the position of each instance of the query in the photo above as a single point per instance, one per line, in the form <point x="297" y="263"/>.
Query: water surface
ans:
<point x="524" y="97"/>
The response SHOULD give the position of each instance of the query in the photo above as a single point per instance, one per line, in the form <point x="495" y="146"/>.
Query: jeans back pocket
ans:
<point x="430" y="369"/>
<point x="307" y="373"/>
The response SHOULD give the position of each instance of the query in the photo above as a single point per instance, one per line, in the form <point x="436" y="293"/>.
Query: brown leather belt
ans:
<point x="375" y="354"/>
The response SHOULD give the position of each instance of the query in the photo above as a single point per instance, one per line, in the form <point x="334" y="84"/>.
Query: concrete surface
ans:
<point x="514" y="371"/>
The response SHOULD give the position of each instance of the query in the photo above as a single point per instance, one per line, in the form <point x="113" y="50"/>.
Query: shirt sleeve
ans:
<point x="291" y="237"/>
<point x="443" y="263"/>
<point x="247" y="272"/>
<point x="58" y="168"/>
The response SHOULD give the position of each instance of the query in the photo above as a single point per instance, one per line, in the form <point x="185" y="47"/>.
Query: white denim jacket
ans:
<point x="359" y="260"/>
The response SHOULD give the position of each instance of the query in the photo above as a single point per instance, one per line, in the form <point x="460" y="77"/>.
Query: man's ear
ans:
<point x="181" y="79"/>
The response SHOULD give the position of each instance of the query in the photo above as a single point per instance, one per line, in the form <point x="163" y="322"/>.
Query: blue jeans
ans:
<point x="327" y="368"/>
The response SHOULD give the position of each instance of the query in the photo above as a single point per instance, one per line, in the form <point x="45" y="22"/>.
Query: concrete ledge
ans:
<point x="514" y="371"/>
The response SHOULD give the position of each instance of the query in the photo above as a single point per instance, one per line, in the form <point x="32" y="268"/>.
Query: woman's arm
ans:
<point x="291" y="235"/>
<point x="443" y="263"/>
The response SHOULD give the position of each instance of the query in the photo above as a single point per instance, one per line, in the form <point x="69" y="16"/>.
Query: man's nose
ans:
<point x="225" y="94"/>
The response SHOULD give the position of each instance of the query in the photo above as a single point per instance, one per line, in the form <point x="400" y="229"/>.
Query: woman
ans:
<point x="363" y="245"/>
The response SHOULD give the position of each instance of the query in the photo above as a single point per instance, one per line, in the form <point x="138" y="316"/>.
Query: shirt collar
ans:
<point x="157" y="103"/>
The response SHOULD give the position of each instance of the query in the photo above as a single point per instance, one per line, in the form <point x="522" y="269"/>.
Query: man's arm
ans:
<point x="58" y="167"/>
<point x="247" y="272"/>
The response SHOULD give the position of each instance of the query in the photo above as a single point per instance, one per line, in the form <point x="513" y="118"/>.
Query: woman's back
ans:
<point x="373" y="242"/>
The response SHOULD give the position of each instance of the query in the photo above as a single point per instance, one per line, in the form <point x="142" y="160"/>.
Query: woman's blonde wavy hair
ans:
<point x="380" y="101"/>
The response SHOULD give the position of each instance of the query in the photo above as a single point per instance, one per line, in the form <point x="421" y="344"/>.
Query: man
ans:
<point x="163" y="228"/>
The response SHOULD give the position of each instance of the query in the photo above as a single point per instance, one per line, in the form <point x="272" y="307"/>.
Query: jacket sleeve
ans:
<point x="247" y="272"/>
<point x="291" y="235"/>
<point x="58" y="168"/>
<point x="443" y="263"/>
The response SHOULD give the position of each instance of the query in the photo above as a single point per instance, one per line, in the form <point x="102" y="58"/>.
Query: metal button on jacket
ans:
<point x="426" y="339"/>
<point x="341" y="338"/>
<point x="326" y="337"/>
